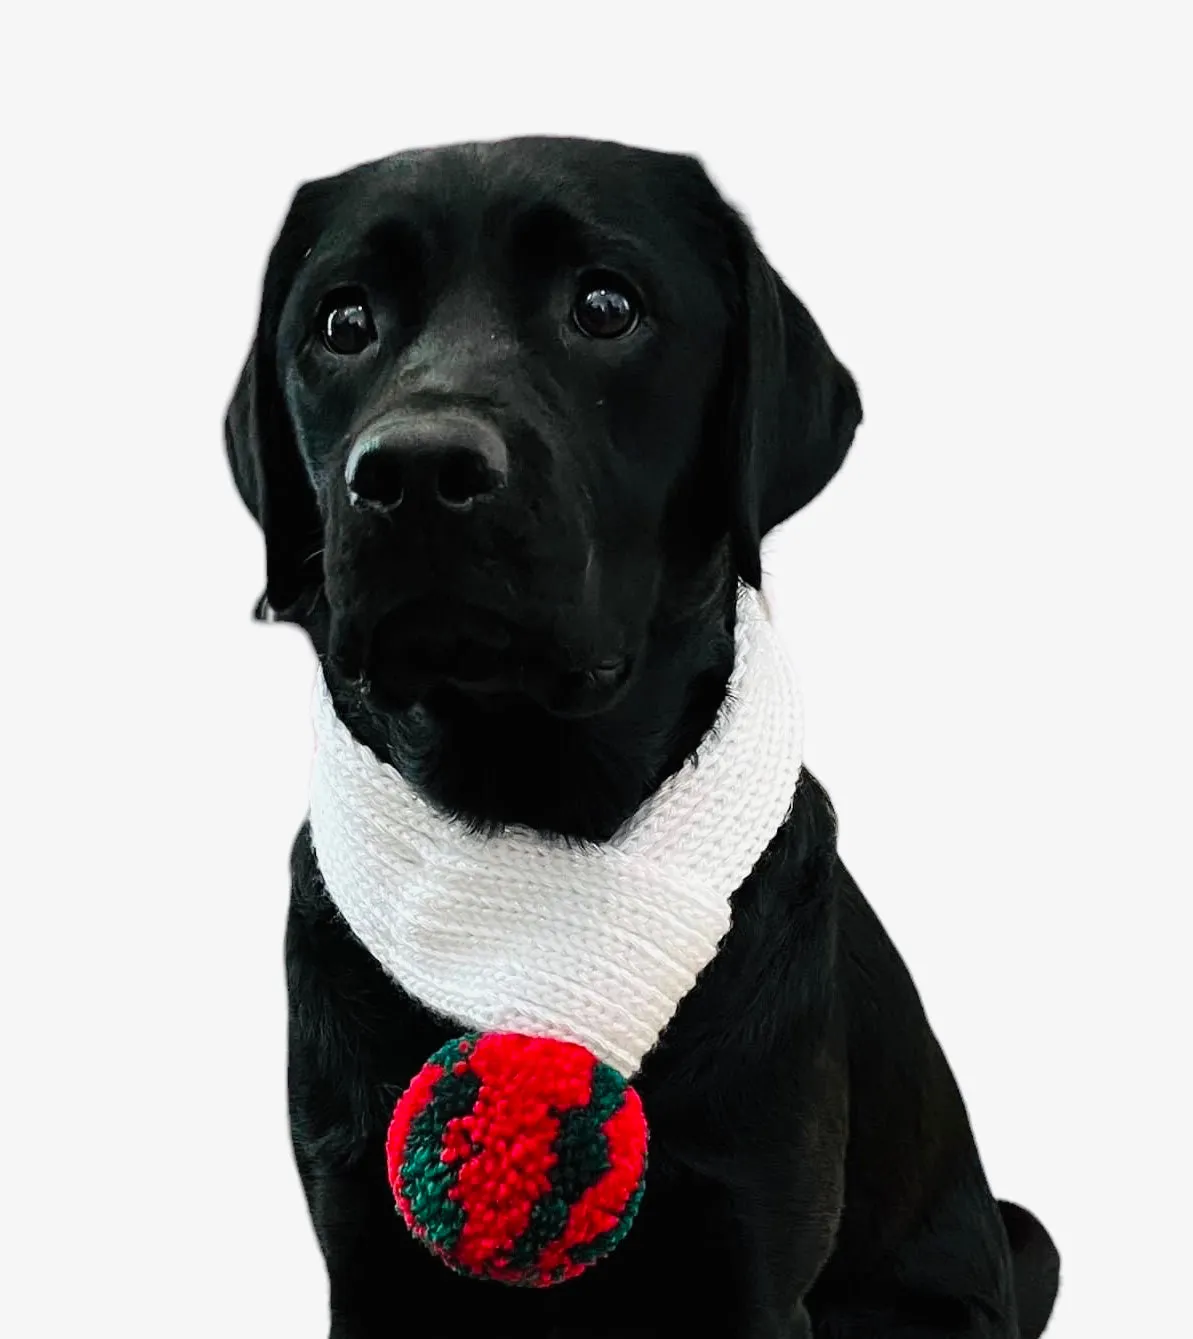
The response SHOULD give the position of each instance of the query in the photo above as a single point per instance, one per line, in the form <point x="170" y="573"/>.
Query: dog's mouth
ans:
<point x="425" y="646"/>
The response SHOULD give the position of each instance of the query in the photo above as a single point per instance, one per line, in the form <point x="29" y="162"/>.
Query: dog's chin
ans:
<point x="480" y="659"/>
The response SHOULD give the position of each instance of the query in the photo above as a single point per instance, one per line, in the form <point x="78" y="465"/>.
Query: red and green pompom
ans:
<point x="516" y="1158"/>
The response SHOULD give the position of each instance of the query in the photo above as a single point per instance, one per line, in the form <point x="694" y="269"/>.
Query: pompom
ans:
<point x="516" y="1158"/>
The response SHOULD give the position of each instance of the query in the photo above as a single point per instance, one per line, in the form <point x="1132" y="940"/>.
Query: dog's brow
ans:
<point x="391" y="235"/>
<point x="548" y="225"/>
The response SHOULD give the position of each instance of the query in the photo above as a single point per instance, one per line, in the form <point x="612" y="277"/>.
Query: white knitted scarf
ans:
<point x="523" y="933"/>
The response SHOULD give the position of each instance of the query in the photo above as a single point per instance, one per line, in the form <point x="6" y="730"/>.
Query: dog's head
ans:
<point x="505" y="400"/>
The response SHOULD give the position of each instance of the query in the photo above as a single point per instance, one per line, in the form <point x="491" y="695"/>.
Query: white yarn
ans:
<point x="523" y="933"/>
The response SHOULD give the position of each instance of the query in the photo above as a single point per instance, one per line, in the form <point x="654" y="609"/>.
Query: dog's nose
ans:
<point x="448" y="460"/>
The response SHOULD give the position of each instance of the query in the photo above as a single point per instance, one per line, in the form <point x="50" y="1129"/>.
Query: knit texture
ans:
<point x="523" y="933"/>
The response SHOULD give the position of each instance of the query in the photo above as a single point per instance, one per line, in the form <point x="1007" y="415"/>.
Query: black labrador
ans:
<point x="488" y="381"/>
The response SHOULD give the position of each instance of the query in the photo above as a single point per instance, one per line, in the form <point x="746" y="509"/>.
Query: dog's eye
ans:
<point x="347" y="325"/>
<point x="605" y="308"/>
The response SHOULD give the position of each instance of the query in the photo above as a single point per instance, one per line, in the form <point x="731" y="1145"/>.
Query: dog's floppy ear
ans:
<point x="264" y="456"/>
<point x="793" y="407"/>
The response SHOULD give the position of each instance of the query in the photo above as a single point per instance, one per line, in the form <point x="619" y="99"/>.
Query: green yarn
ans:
<point x="426" y="1178"/>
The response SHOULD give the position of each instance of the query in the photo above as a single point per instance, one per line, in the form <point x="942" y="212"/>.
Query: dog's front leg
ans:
<point x="727" y="1256"/>
<point x="371" y="1269"/>
<point x="381" y="1282"/>
<point x="795" y="1325"/>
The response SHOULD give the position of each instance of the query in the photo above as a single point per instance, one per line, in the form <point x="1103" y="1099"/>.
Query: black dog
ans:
<point x="515" y="421"/>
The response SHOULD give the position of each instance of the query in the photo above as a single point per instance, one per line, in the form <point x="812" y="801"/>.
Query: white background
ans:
<point x="982" y="205"/>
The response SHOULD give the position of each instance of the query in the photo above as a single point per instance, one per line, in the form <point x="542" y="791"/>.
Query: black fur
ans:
<point x="812" y="1167"/>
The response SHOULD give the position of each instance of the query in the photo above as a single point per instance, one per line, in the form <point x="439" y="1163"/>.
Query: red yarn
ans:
<point x="514" y="1126"/>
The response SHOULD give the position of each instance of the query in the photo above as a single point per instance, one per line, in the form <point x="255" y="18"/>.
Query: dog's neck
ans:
<point x="575" y="778"/>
